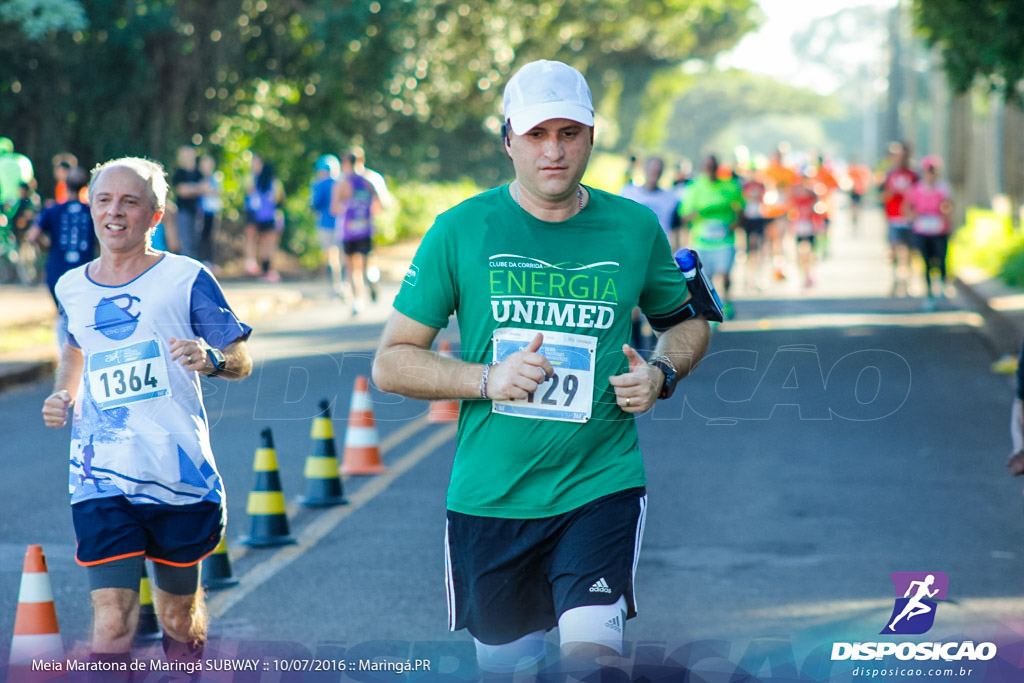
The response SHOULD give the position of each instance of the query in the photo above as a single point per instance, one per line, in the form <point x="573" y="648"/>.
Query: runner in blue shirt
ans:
<point x="328" y="169"/>
<point x="68" y="229"/>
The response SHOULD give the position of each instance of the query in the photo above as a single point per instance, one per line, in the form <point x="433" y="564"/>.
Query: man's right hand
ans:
<point x="56" y="408"/>
<point x="520" y="373"/>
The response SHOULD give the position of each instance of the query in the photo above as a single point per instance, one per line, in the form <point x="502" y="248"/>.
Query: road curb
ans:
<point x="19" y="372"/>
<point x="1003" y="332"/>
<point x="25" y="373"/>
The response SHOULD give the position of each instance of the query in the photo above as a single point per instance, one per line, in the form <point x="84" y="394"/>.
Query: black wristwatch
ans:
<point x="217" y="360"/>
<point x="664" y="363"/>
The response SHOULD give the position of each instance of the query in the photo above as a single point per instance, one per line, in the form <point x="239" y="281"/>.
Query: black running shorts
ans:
<point x="510" y="577"/>
<point x="363" y="245"/>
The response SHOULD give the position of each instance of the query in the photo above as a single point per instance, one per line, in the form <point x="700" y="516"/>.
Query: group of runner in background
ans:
<point x="777" y="213"/>
<point x="345" y="197"/>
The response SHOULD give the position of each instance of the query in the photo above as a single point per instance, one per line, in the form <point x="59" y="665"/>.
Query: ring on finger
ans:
<point x="628" y="401"/>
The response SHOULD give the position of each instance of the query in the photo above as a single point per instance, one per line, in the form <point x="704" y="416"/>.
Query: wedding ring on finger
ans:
<point x="628" y="401"/>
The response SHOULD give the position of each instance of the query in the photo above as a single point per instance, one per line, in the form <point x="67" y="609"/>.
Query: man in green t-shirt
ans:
<point x="546" y="500"/>
<point x="712" y="207"/>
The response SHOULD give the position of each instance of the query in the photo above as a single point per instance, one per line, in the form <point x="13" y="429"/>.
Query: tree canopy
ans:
<point x="415" y="82"/>
<point x="721" y="98"/>
<point x="979" y="40"/>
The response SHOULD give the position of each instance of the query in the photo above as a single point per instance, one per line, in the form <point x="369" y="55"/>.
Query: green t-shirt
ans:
<point x="717" y="204"/>
<point x="494" y="265"/>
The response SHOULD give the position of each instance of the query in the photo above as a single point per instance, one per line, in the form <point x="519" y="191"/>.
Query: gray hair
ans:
<point x="150" y="171"/>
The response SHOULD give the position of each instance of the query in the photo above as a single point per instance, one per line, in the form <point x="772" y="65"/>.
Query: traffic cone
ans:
<point x="362" y="445"/>
<point x="444" y="411"/>
<point x="36" y="634"/>
<point x="149" y="627"/>
<point x="269" y="523"/>
<point x="323" y="484"/>
<point x="217" y="568"/>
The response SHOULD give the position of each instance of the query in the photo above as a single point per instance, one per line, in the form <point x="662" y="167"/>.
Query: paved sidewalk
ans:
<point x="28" y="315"/>
<point x="1001" y="306"/>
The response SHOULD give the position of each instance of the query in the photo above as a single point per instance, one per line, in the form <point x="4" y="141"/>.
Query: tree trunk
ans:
<point x="959" y="153"/>
<point x="938" y="138"/>
<point x="1013" y="159"/>
<point x="891" y="127"/>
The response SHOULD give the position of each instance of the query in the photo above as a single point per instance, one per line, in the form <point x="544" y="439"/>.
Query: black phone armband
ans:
<point x="703" y="301"/>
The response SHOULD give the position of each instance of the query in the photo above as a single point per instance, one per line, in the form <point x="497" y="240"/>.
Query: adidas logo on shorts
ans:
<point x="614" y="624"/>
<point x="600" y="586"/>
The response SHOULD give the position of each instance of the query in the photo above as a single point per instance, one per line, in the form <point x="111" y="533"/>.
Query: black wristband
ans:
<point x="664" y="364"/>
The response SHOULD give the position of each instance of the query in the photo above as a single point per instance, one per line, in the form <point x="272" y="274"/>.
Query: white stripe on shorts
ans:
<point x="449" y="582"/>
<point x="641" y="520"/>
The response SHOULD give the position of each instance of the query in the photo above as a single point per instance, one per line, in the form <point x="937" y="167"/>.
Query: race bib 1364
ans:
<point x="129" y="374"/>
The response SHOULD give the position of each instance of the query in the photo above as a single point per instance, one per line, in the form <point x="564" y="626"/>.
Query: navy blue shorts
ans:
<point x="900" y="233"/>
<point x="112" y="528"/>
<point x="754" y="225"/>
<point x="510" y="577"/>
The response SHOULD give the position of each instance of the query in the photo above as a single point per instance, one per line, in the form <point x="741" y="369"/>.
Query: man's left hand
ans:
<point x="1015" y="464"/>
<point x="637" y="390"/>
<point x="191" y="354"/>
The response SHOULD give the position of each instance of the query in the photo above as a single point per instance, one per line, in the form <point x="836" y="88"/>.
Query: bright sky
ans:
<point x="769" y="50"/>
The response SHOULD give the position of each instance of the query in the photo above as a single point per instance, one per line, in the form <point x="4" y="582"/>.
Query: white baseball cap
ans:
<point x="544" y="90"/>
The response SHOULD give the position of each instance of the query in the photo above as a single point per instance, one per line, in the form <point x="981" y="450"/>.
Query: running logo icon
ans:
<point x="114" y="317"/>
<point x="917" y="597"/>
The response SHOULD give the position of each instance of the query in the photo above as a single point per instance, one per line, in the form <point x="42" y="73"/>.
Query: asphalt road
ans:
<point x="830" y="439"/>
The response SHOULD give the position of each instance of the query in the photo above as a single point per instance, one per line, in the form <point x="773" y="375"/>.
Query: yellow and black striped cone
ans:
<point x="217" y="568"/>
<point x="269" y="523"/>
<point x="149" y="627"/>
<point x="323" y="484"/>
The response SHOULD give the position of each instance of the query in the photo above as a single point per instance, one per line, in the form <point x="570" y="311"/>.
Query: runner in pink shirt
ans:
<point x="928" y="207"/>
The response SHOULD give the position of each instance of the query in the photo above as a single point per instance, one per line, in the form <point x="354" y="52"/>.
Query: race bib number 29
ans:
<point x="130" y="374"/>
<point x="566" y="396"/>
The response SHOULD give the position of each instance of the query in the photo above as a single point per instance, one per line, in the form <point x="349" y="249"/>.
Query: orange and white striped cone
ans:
<point x="149" y="626"/>
<point x="323" y="484"/>
<point x="36" y="634"/>
<point x="444" y="411"/>
<point x="266" y="509"/>
<point x="362" y="445"/>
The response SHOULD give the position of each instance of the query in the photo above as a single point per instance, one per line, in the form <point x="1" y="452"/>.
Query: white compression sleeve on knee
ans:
<point x="511" y="657"/>
<point x="598" y="624"/>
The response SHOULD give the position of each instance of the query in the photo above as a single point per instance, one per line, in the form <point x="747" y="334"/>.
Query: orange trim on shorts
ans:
<point x="108" y="559"/>
<point x="182" y="564"/>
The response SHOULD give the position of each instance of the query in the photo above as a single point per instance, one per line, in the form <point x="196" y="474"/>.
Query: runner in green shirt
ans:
<point x="546" y="501"/>
<point x="712" y="207"/>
